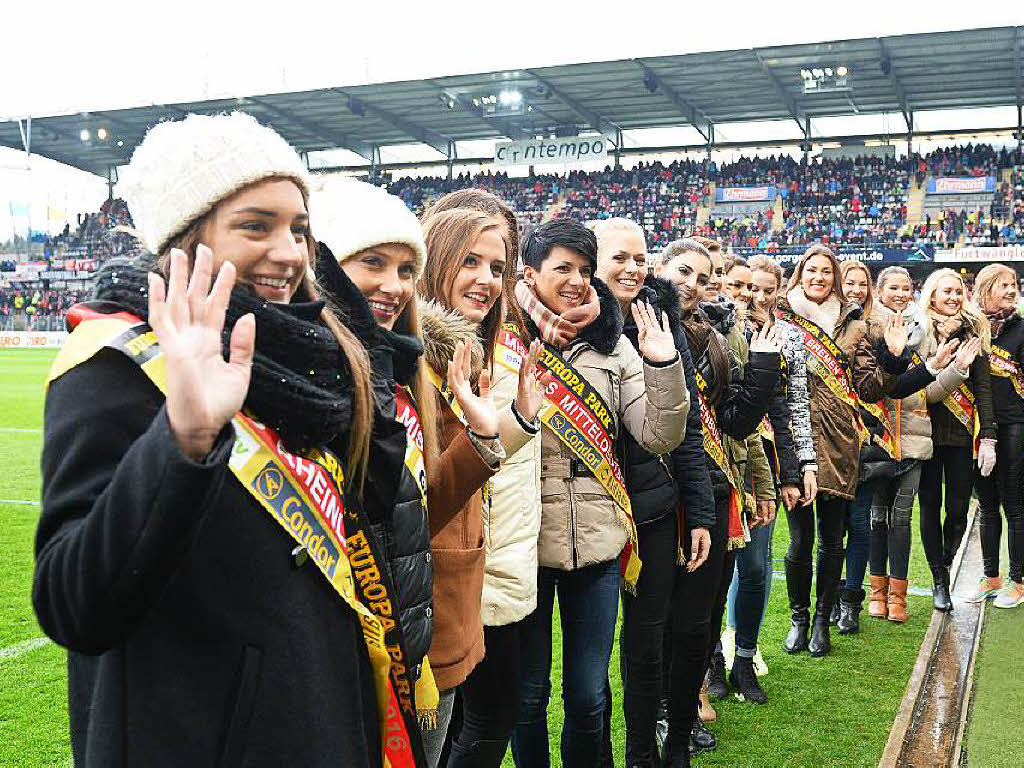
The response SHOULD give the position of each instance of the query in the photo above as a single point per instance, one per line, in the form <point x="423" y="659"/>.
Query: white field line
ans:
<point x="22" y="430"/>
<point x="25" y="646"/>
<point x="22" y="502"/>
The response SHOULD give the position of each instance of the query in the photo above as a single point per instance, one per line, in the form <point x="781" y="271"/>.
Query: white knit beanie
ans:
<point x="182" y="169"/>
<point x="350" y="216"/>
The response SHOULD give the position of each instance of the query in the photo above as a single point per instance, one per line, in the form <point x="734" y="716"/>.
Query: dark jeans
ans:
<point x="941" y="539"/>
<point x="1004" y="486"/>
<point x="890" y="521"/>
<point x="858" y="534"/>
<point x="588" y="603"/>
<point x="490" y="704"/>
<point x="748" y="592"/>
<point x="831" y="514"/>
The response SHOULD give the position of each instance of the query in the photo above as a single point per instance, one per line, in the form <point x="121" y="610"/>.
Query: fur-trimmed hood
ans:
<point x="720" y="314"/>
<point x="602" y="334"/>
<point x="442" y="330"/>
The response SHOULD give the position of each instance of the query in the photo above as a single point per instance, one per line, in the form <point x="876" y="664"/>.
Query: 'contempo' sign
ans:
<point x="548" y="151"/>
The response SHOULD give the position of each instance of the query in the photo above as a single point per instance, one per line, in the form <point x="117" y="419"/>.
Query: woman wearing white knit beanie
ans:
<point x="203" y="551"/>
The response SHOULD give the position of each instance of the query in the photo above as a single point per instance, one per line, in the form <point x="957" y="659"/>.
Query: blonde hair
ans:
<point x="767" y="264"/>
<point x="355" y="355"/>
<point x="604" y="227"/>
<point x="975" y="321"/>
<point x="986" y="280"/>
<point x="848" y="266"/>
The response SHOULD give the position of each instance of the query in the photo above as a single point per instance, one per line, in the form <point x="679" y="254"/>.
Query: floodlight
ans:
<point x="818" y="73"/>
<point x="102" y="134"/>
<point x="84" y="134"/>
<point x="510" y="97"/>
<point x="842" y="71"/>
<point x="828" y="71"/>
<point x="120" y="143"/>
<point x="805" y="74"/>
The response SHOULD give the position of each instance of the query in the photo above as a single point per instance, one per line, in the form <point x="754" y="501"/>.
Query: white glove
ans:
<point x="987" y="456"/>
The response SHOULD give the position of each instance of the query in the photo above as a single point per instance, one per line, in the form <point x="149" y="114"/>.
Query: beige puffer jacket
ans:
<point x="580" y="522"/>
<point x="512" y="522"/>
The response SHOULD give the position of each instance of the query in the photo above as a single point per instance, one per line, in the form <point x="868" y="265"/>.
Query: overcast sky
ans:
<point x="64" y="57"/>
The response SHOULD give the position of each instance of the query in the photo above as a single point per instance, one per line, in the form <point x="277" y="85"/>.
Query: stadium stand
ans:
<point x="842" y="201"/>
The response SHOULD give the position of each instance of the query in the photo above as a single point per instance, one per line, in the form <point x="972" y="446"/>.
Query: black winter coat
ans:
<point x="657" y="483"/>
<point x="946" y="428"/>
<point x="395" y="509"/>
<point x="1006" y="403"/>
<point x="195" y="637"/>
<point x="784" y="450"/>
<point x="744" y="402"/>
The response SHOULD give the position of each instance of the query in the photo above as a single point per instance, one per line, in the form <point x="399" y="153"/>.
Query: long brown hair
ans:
<point x="355" y="355"/>
<point x="482" y="200"/>
<point x="450" y="236"/>
<point x="848" y="266"/>
<point x="820" y="250"/>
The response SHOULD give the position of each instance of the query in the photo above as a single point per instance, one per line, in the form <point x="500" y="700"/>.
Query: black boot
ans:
<point x="940" y="589"/>
<point x="717" y="687"/>
<point x="743" y="678"/>
<point x="837" y="612"/>
<point x="851" y="602"/>
<point x="798" y="585"/>
<point x="830" y="565"/>
<point x="479" y="753"/>
<point x="701" y="739"/>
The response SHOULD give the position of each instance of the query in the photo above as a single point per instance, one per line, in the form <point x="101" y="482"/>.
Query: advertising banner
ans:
<point x="32" y="339"/>
<point x="549" y="151"/>
<point x="866" y="253"/>
<point x="981" y="253"/>
<point x="961" y="185"/>
<point x="743" y="194"/>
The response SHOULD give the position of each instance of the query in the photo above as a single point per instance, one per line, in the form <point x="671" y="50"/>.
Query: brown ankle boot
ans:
<point x="706" y="712"/>
<point x="897" y="600"/>
<point x="879" y="597"/>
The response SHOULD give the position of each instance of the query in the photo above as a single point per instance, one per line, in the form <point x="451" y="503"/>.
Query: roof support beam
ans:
<point x="1018" y="64"/>
<point x="589" y="116"/>
<point x="697" y="119"/>
<point x="897" y="86"/>
<point x="795" y="110"/>
<point x="443" y="144"/>
<point x="360" y="147"/>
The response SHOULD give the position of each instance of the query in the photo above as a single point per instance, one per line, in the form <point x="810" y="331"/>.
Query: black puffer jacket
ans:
<point x="396" y="510"/>
<point x="744" y="402"/>
<point x="1006" y="403"/>
<point x="657" y="483"/>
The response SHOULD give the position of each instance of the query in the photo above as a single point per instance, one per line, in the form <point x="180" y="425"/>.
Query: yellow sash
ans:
<point x="304" y="494"/>
<point x="577" y="415"/>
<point x="1004" y="366"/>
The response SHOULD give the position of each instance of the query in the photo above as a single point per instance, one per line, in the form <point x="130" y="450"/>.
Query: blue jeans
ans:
<point x="750" y="589"/>
<point x="588" y="604"/>
<point x="858" y="531"/>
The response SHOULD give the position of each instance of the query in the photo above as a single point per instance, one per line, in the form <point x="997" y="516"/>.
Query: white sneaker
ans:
<point x="729" y="646"/>
<point x="760" y="667"/>
<point x="987" y="587"/>
<point x="1010" y="596"/>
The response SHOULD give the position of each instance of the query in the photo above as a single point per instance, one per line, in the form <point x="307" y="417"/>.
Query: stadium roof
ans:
<point x="900" y="74"/>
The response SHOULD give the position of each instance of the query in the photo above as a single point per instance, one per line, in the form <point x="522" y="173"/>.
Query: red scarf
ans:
<point x="557" y="330"/>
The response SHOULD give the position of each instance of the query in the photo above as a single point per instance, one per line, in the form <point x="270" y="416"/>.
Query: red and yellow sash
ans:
<point x="576" y="413"/>
<point x="829" y="363"/>
<point x="304" y="494"/>
<point x="714" y="447"/>
<point x="889" y="440"/>
<point x="767" y="433"/>
<point x="1003" y="365"/>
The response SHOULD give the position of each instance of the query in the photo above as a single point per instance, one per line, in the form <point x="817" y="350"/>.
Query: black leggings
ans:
<point x="490" y="702"/>
<point x="1004" y="486"/>
<point x="641" y="642"/>
<point x="941" y="539"/>
<point x="689" y="627"/>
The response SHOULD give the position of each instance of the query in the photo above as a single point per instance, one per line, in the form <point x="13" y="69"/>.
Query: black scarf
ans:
<point x="301" y="383"/>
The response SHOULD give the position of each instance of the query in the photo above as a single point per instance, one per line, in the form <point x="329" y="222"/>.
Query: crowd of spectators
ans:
<point x="36" y="309"/>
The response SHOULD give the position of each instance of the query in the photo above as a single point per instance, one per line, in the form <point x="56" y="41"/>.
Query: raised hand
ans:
<point x="968" y="352"/>
<point x="768" y="339"/>
<point x="895" y="335"/>
<point x="943" y="355"/>
<point x="654" y="338"/>
<point x="204" y="391"/>
<point x="481" y="415"/>
<point x="530" y="396"/>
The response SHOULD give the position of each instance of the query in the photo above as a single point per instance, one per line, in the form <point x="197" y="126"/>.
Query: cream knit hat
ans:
<point x="182" y="169"/>
<point x="350" y="215"/>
